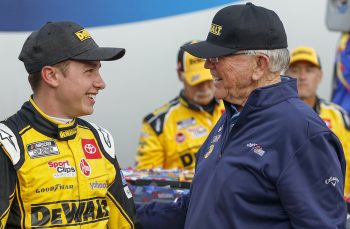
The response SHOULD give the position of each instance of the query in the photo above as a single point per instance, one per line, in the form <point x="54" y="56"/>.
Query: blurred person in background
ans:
<point x="305" y="66"/>
<point x="172" y="134"/>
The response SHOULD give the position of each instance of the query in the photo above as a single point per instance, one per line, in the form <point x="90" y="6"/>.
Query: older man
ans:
<point x="270" y="162"/>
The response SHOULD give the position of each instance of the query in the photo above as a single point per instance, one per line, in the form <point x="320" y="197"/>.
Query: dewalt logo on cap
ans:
<point x="83" y="35"/>
<point x="215" y="29"/>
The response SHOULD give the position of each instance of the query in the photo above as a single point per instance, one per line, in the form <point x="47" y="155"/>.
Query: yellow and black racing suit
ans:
<point x="60" y="175"/>
<point x="172" y="134"/>
<point x="337" y="120"/>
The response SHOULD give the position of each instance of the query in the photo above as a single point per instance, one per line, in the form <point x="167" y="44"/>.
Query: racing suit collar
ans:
<point x="317" y="105"/>
<point x="47" y="125"/>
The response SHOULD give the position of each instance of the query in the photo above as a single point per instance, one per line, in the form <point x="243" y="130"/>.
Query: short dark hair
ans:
<point x="35" y="78"/>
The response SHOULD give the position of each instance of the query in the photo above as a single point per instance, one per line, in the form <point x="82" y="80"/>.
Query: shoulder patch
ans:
<point x="106" y="139"/>
<point x="156" y="118"/>
<point x="9" y="141"/>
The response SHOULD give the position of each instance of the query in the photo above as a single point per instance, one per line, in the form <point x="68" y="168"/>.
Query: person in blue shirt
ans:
<point x="270" y="161"/>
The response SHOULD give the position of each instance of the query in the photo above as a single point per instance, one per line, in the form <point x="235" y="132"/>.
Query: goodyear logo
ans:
<point x="69" y="213"/>
<point x="215" y="29"/>
<point x="82" y="35"/>
<point x="67" y="133"/>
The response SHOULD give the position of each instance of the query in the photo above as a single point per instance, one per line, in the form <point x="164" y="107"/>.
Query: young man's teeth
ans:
<point x="91" y="96"/>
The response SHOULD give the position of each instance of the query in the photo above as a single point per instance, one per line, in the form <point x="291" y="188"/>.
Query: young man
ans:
<point x="270" y="161"/>
<point x="172" y="134"/>
<point x="57" y="170"/>
<point x="305" y="66"/>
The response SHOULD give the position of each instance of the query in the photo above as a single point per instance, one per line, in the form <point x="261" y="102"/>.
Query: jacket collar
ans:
<point x="267" y="96"/>
<point x="46" y="125"/>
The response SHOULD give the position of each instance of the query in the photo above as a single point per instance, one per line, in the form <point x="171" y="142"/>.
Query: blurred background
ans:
<point x="151" y="32"/>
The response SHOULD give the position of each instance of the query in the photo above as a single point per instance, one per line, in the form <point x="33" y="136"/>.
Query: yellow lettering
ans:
<point x="66" y="133"/>
<point x="83" y="34"/>
<point x="216" y="29"/>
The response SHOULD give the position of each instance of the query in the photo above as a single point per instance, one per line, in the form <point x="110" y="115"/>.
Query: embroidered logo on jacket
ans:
<point x="210" y="150"/>
<point x="332" y="180"/>
<point x="42" y="149"/>
<point x="90" y="149"/>
<point x="256" y="148"/>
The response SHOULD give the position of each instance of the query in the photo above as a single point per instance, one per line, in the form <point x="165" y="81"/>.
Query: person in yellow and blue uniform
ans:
<point x="305" y="66"/>
<point x="172" y="134"/>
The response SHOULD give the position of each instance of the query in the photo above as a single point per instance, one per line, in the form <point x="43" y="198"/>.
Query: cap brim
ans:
<point x="197" y="77"/>
<point x="206" y="50"/>
<point x="101" y="53"/>
<point x="304" y="58"/>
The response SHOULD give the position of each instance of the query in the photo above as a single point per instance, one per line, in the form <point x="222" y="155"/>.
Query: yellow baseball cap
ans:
<point x="192" y="68"/>
<point x="304" y="53"/>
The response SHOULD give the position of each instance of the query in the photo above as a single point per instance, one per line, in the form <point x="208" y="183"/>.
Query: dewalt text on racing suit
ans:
<point x="60" y="175"/>
<point x="337" y="120"/>
<point x="172" y="134"/>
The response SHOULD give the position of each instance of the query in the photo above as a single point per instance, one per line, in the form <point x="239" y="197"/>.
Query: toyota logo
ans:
<point x="90" y="149"/>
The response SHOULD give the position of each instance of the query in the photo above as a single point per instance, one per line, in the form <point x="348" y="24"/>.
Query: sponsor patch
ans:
<point x="332" y="180"/>
<point x="180" y="137"/>
<point x="215" y="29"/>
<point x="198" y="131"/>
<point x="83" y="34"/>
<point x="67" y="134"/>
<point x="210" y="150"/>
<point x="42" y="149"/>
<point x="68" y="213"/>
<point x="194" y="78"/>
<point x="98" y="185"/>
<point x="127" y="192"/>
<point x="256" y="148"/>
<point x="220" y="128"/>
<point x="54" y="188"/>
<point x="216" y="138"/>
<point x="85" y="167"/>
<point x="90" y="149"/>
<point x="185" y="123"/>
<point x="63" y="169"/>
<point x="122" y="177"/>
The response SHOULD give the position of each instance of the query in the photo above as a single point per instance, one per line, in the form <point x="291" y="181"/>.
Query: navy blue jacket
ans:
<point x="279" y="167"/>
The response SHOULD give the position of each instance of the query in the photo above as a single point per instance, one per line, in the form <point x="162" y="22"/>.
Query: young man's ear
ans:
<point x="49" y="76"/>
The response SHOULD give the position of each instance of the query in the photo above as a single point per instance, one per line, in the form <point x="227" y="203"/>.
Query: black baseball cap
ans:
<point x="59" y="41"/>
<point x="241" y="27"/>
